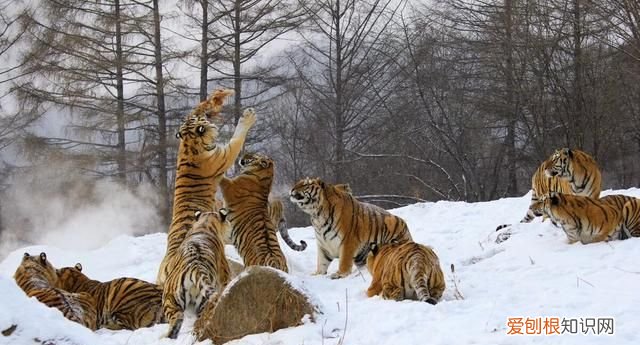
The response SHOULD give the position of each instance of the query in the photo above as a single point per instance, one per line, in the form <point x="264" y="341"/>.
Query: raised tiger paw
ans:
<point x="248" y="118"/>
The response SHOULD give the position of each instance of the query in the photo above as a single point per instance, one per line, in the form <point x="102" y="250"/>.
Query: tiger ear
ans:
<point x="223" y="214"/>
<point x="197" y="215"/>
<point x="373" y="247"/>
<point x="570" y="153"/>
<point x="264" y="164"/>
<point x="26" y="255"/>
<point x="322" y="184"/>
<point x="43" y="257"/>
<point x="78" y="266"/>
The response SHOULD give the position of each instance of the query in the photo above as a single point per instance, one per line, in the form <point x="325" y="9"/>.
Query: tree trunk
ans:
<point x="120" y="116"/>
<point x="237" y="77"/>
<point x="204" y="50"/>
<point x="579" y="117"/>
<point x="511" y="106"/>
<point x="162" y="116"/>
<point x="339" y="140"/>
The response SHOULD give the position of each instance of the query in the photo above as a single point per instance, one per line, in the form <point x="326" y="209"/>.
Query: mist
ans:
<point x="58" y="207"/>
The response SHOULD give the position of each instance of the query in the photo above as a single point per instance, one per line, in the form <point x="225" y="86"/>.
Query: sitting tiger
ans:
<point x="201" y="164"/>
<point x="568" y="171"/>
<point x="405" y="271"/>
<point x="38" y="278"/>
<point x="276" y="214"/>
<point x="247" y="197"/>
<point x="344" y="226"/>
<point x="201" y="269"/>
<point x="591" y="220"/>
<point x="122" y="303"/>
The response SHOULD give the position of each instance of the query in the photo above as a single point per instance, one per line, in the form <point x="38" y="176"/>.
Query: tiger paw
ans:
<point x="248" y="118"/>
<point x="339" y="275"/>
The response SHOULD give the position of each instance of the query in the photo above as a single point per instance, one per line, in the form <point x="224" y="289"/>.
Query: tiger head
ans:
<point x="69" y="277"/>
<point x="537" y="207"/>
<point x="308" y="194"/>
<point x="197" y="134"/>
<point x="215" y="220"/>
<point x="555" y="206"/>
<point x="255" y="162"/>
<point x="558" y="163"/>
<point x="36" y="270"/>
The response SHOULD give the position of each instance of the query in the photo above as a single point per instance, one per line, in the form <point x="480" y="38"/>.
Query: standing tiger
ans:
<point x="276" y="214"/>
<point x="405" y="271"/>
<point x="590" y="220"/>
<point x="122" y="303"/>
<point x="201" y="164"/>
<point x="344" y="226"/>
<point x="37" y="278"/>
<point x="201" y="269"/>
<point x="568" y="171"/>
<point x="247" y="198"/>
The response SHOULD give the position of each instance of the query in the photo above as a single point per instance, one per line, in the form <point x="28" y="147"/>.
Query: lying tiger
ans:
<point x="37" y="277"/>
<point x="200" y="271"/>
<point x="591" y="220"/>
<point x="247" y="198"/>
<point x="567" y="171"/>
<point x="405" y="271"/>
<point x="122" y="303"/>
<point x="344" y="226"/>
<point x="201" y="163"/>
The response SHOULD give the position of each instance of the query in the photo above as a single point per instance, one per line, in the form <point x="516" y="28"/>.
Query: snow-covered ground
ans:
<point x="533" y="274"/>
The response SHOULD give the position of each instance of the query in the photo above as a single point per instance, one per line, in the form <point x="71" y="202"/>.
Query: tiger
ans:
<point x="201" y="269"/>
<point x="201" y="164"/>
<point x="344" y="226"/>
<point x="247" y="197"/>
<point x="590" y="220"/>
<point x="122" y="303"/>
<point x="405" y="271"/>
<point x="37" y="277"/>
<point x="568" y="171"/>
<point x="276" y="214"/>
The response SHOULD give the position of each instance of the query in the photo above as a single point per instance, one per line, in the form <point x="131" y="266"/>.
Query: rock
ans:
<point x="261" y="299"/>
<point x="235" y="266"/>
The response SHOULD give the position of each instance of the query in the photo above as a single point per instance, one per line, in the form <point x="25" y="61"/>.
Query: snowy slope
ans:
<point x="533" y="274"/>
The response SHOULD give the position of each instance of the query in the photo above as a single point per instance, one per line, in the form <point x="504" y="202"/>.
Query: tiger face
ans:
<point x="197" y="135"/>
<point x="553" y="204"/>
<point x="35" y="271"/>
<point x="558" y="163"/>
<point x="307" y="194"/>
<point x="254" y="162"/>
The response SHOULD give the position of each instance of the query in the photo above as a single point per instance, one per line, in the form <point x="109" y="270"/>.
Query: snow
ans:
<point x="533" y="274"/>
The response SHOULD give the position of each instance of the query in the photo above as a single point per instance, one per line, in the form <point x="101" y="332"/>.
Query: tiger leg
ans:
<point x="236" y="142"/>
<point x="174" y="314"/>
<point x="631" y="218"/>
<point x="392" y="291"/>
<point x="375" y="288"/>
<point x="324" y="260"/>
<point x="347" y="252"/>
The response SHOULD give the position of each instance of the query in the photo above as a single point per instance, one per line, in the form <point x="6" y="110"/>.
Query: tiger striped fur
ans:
<point x="37" y="278"/>
<point x="201" y="164"/>
<point x="567" y="171"/>
<point x="276" y="214"/>
<point x="122" y="303"/>
<point x="247" y="197"/>
<point x="344" y="226"/>
<point x="590" y="220"/>
<point x="200" y="270"/>
<point x="405" y="271"/>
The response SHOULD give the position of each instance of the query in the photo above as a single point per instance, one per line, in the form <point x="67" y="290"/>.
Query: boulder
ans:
<point x="261" y="299"/>
<point x="235" y="266"/>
